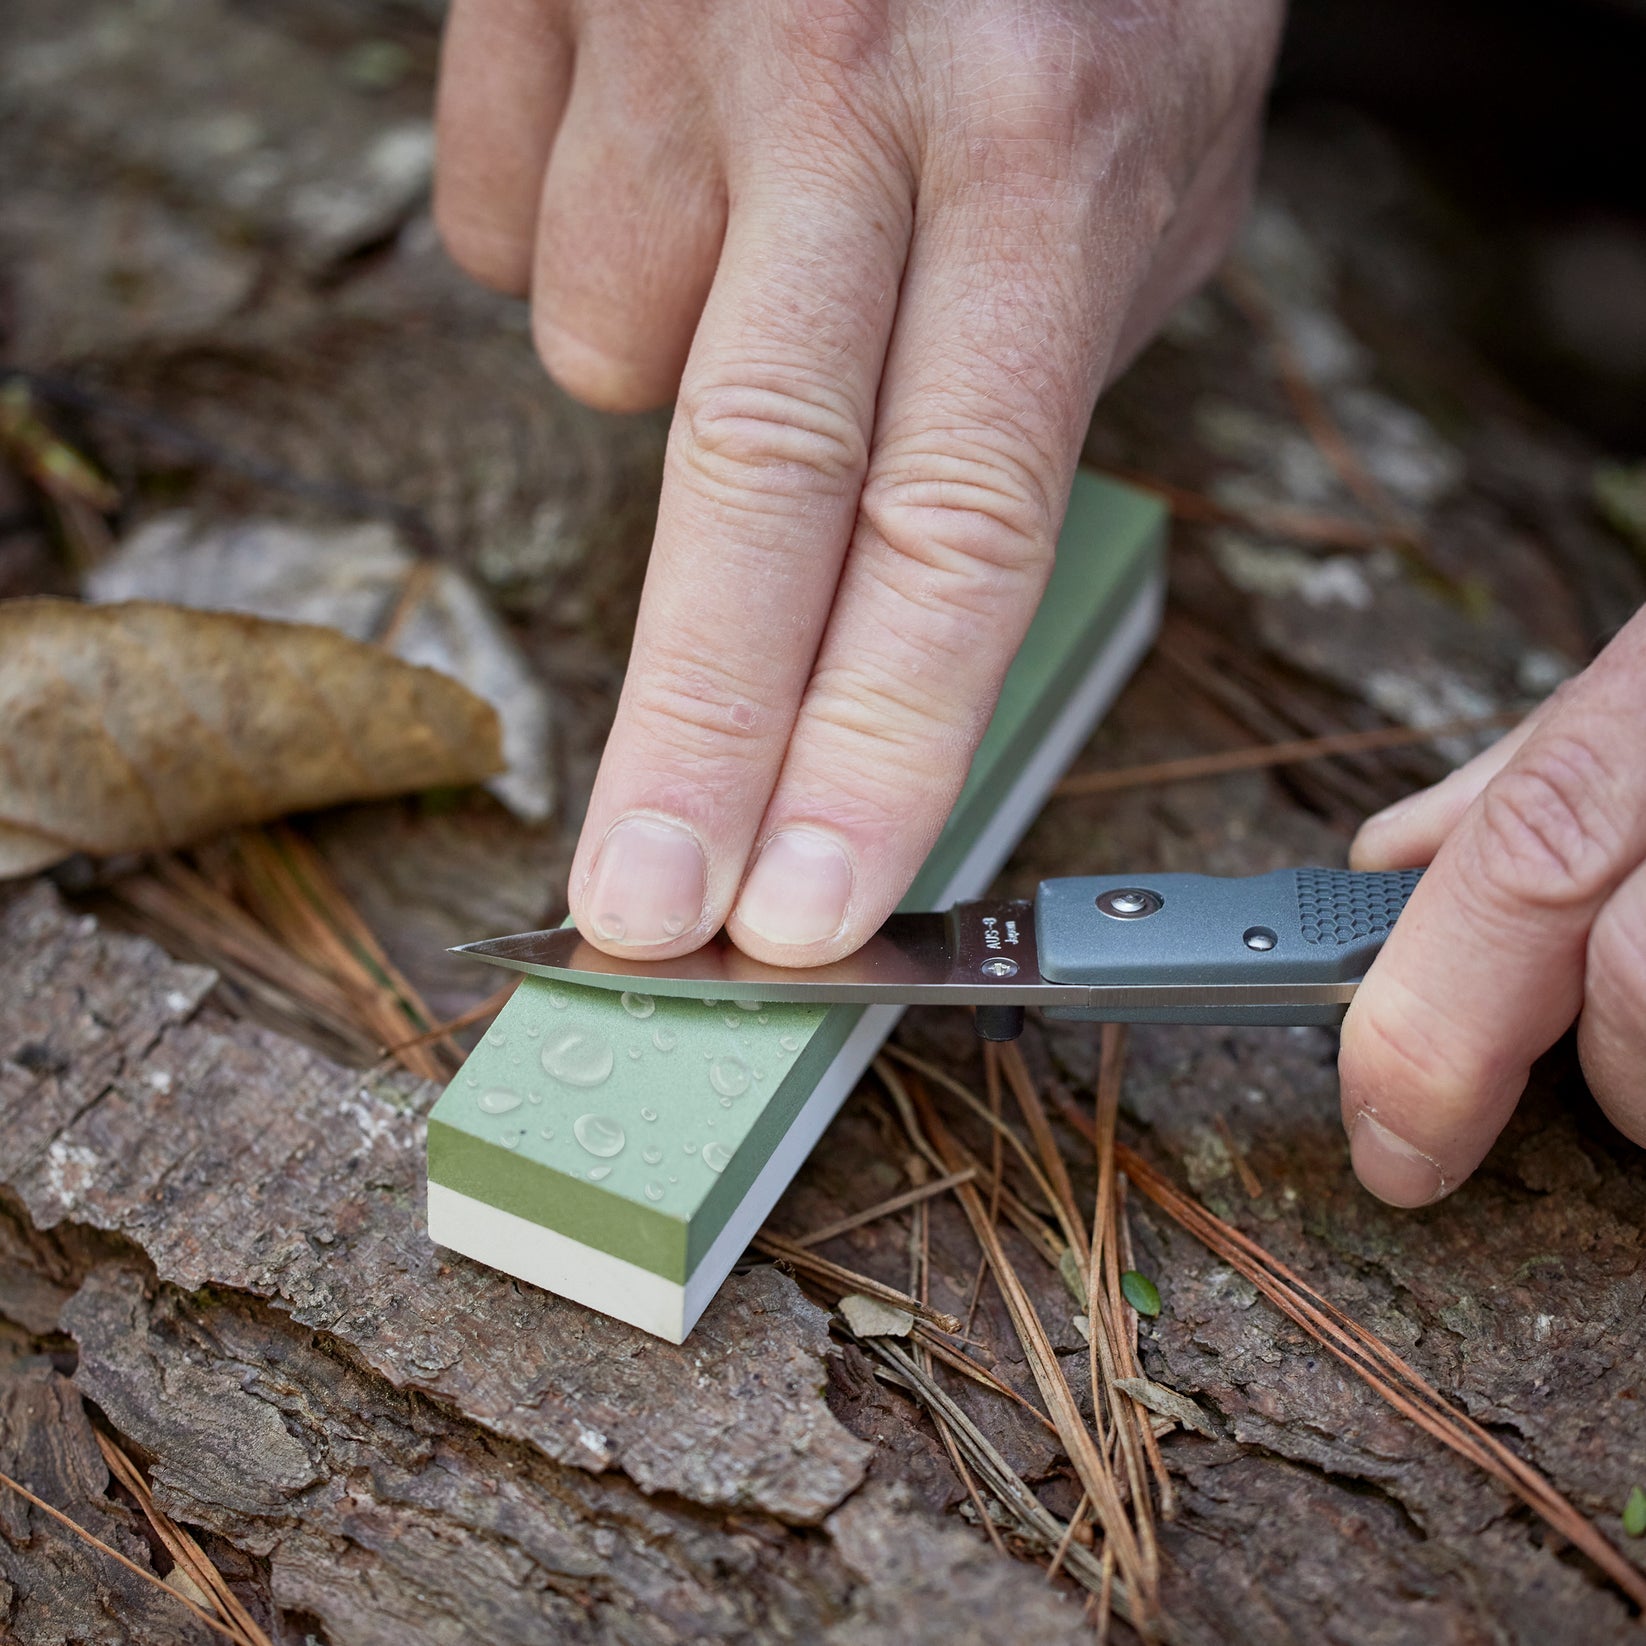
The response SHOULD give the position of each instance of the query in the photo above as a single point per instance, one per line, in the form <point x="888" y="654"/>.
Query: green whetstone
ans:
<point x="622" y="1150"/>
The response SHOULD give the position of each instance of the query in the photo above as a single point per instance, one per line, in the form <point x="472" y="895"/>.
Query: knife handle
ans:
<point x="1286" y="947"/>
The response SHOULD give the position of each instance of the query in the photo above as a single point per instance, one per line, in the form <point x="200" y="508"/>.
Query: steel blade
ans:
<point x="976" y="954"/>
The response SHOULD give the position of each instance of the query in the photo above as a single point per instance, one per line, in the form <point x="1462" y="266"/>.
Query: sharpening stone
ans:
<point x="621" y="1150"/>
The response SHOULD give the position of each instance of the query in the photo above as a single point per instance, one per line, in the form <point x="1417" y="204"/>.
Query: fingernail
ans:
<point x="1393" y="813"/>
<point x="1390" y="1167"/>
<point x="797" y="892"/>
<point x="648" y="883"/>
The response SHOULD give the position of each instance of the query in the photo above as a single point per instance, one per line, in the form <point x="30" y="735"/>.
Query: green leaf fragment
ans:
<point x="1140" y="1292"/>
<point x="1634" y="1514"/>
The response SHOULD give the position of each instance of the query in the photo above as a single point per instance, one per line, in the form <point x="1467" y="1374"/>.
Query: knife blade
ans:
<point x="1288" y="947"/>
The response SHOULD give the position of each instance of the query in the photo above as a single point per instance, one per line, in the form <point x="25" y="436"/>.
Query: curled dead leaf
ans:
<point x="141" y="726"/>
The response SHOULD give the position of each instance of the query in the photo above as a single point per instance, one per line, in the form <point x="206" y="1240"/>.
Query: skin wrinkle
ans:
<point x="1546" y="840"/>
<point x="937" y="217"/>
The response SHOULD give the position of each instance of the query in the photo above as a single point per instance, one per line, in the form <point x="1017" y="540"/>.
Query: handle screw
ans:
<point x="1128" y="903"/>
<point x="1260" y="938"/>
<point x="1000" y="967"/>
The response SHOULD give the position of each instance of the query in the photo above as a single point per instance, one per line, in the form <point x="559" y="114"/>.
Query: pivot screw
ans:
<point x="1128" y="903"/>
<point x="999" y="967"/>
<point x="1260" y="938"/>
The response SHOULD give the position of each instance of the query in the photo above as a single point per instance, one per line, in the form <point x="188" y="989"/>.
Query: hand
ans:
<point x="1533" y="914"/>
<point x="888" y="251"/>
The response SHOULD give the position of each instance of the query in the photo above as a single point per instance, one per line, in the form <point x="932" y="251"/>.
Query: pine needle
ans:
<point x="809" y="1263"/>
<point x="1261" y="756"/>
<point x="182" y="1547"/>
<point x="114" y="1554"/>
<point x="897" y="1203"/>
<point x="1384" y="1371"/>
<point x="1090" y="1464"/>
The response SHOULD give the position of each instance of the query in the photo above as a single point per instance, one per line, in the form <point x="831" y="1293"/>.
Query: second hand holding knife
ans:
<point x="1284" y="948"/>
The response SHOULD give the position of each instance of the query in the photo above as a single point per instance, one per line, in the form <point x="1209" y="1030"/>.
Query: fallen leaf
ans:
<point x="869" y="1317"/>
<point x="1141" y="1292"/>
<point x="353" y="578"/>
<point x="139" y="727"/>
<point x="1168" y="1403"/>
<point x="1634" y="1513"/>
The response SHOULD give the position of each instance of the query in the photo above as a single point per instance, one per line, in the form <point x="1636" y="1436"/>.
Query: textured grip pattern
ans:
<point x="1339" y="906"/>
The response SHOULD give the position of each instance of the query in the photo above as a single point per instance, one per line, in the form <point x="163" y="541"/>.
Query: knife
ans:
<point x="1288" y="947"/>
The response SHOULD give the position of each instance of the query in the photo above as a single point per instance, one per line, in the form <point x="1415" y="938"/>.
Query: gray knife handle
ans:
<point x="1302" y="937"/>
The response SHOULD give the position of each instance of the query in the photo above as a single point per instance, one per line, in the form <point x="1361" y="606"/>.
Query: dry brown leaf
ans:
<point x="141" y="726"/>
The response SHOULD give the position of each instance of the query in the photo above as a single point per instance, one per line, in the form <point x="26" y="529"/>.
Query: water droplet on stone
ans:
<point x="599" y="1174"/>
<point x="532" y="1031"/>
<point x="732" y="1020"/>
<point x="715" y="1156"/>
<point x="688" y="1148"/>
<point x="725" y="1103"/>
<point x="495" y="1037"/>
<point x="757" y="1074"/>
<point x="665" y="1040"/>
<point x="762" y="1018"/>
<point x="470" y="1080"/>
<point x="654" y="1191"/>
<point x="547" y="1135"/>
<point x="634" y="1054"/>
<point x="497" y="1101"/>
<point x="534" y="1097"/>
<point x="673" y="1178"/>
<point x="749" y="1005"/>
<point x="558" y="1000"/>
<point x="652" y="1155"/>
<point x="708" y="1002"/>
<point x="577" y="1057"/>
<point x="599" y="1134"/>
<point x="648" y="1114"/>
<point x="511" y="1140"/>
<point x="729" y="1076"/>
<point x="637" y="1005"/>
<point x="789" y="1042"/>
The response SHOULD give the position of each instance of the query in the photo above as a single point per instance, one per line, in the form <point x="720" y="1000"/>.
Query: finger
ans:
<point x="1000" y="343"/>
<point x="1611" y="1035"/>
<point x="505" y="68"/>
<point x="1407" y="834"/>
<point x="629" y="228"/>
<point x="1485" y="968"/>
<point x="765" y="463"/>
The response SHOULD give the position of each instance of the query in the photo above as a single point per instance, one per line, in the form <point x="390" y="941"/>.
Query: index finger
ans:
<point x="765" y="463"/>
<point x="1485" y="969"/>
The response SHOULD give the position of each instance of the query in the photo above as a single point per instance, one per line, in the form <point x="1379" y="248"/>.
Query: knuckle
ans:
<point x="1546" y="837"/>
<point x="742" y="439"/>
<point x="888" y="727"/>
<point x="973" y="530"/>
<point x="700" y="712"/>
<point x="1035" y="73"/>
